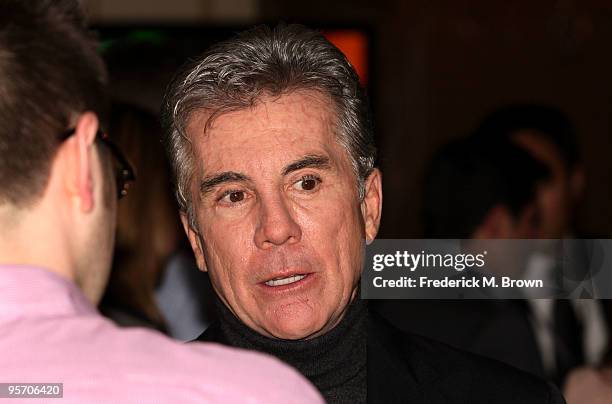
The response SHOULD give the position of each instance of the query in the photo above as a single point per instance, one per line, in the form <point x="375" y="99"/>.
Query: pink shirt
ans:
<point x="50" y="333"/>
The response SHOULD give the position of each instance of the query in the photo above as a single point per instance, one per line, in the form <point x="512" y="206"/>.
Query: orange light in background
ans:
<point x="354" y="45"/>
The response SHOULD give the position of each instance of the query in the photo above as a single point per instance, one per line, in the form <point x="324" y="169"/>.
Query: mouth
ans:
<point x="285" y="281"/>
<point x="288" y="281"/>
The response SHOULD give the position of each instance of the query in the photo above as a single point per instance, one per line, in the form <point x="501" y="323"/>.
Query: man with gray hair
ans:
<point x="272" y="146"/>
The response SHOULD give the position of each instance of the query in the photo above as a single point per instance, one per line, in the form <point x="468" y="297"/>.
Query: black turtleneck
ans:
<point x="365" y="357"/>
<point x="335" y="362"/>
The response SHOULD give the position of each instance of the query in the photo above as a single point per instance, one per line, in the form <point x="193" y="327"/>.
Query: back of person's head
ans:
<point x="49" y="74"/>
<point x="469" y="177"/>
<point x="57" y="208"/>
<point x="545" y="121"/>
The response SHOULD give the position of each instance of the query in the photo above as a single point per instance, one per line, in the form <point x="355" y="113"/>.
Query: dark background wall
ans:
<point x="437" y="67"/>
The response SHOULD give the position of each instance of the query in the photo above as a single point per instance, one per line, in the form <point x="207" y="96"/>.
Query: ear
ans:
<point x="81" y="148"/>
<point x="371" y="205"/>
<point x="196" y="242"/>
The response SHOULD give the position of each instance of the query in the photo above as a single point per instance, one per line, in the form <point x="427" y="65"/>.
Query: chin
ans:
<point x="295" y="323"/>
<point x="294" y="331"/>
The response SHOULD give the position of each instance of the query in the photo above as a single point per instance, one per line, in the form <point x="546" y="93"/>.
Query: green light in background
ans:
<point x="136" y="37"/>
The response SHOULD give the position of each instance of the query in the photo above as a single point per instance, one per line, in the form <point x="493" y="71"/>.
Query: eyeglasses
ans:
<point x="124" y="172"/>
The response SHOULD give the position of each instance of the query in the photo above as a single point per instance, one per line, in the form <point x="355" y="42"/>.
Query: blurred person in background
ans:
<point x="557" y="335"/>
<point x="549" y="136"/>
<point x="482" y="189"/>
<point x="272" y="147"/>
<point x="147" y="227"/>
<point x="60" y="176"/>
<point x="153" y="282"/>
<point x="479" y="189"/>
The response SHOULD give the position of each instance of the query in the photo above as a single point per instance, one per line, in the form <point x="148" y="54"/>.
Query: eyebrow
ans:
<point x="208" y="183"/>
<point x="309" y="161"/>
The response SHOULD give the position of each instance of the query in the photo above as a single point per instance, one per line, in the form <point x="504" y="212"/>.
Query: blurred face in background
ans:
<point x="280" y="227"/>
<point x="558" y="196"/>
<point x="500" y="223"/>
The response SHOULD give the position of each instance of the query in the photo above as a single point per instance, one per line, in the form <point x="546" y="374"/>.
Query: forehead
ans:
<point x="276" y="130"/>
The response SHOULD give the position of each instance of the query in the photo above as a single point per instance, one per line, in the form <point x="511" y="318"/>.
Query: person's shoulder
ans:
<point x="228" y="372"/>
<point x="440" y="370"/>
<point x="92" y="354"/>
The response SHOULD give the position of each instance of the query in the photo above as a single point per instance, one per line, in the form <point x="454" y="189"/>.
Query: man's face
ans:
<point x="554" y="197"/>
<point x="500" y="223"/>
<point x="279" y="220"/>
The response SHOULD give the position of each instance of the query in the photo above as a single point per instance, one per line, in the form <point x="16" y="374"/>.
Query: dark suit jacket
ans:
<point x="404" y="368"/>
<point x="497" y="329"/>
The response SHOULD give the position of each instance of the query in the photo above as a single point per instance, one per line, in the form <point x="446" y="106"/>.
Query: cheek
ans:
<point x="335" y="232"/>
<point x="552" y="200"/>
<point x="331" y="222"/>
<point x="335" y="209"/>
<point x="226" y="248"/>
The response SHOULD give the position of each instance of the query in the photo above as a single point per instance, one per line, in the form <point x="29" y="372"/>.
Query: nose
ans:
<point x="276" y="224"/>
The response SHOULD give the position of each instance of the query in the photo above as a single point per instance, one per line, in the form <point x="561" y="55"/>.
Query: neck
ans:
<point x="29" y="237"/>
<point x="334" y="362"/>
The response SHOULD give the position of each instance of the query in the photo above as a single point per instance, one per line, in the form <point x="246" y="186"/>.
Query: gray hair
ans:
<point x="235" y="74"/>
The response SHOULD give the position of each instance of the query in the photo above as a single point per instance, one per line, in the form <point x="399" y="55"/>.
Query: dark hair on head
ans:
<point x="237" y="73"/>
<point x="49" y="73"/>
<point x="470" y="176"/>
<point x="549" y="122"/>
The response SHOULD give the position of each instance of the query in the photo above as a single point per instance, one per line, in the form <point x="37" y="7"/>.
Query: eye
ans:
<point x="233" y="196"/>
<point x="307" y="183"/>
